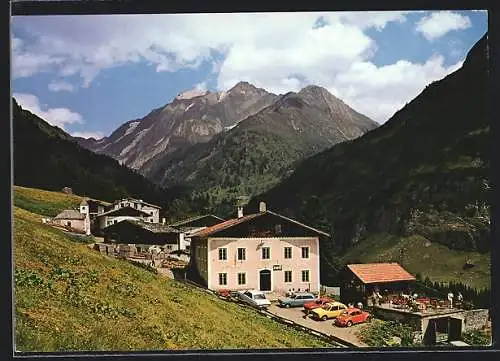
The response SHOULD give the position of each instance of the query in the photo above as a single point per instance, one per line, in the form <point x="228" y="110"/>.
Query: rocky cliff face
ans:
<point x="263" y="148"/>
<point x="192" y="117"/>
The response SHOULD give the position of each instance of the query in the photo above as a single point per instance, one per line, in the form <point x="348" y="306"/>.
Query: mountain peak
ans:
<point x="314" y="89"/>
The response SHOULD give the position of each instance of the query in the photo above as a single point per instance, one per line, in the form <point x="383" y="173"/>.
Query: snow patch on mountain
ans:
<point x="134" y="142"/>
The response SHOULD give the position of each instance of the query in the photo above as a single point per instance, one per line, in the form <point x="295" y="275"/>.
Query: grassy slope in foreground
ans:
<point x="434" y="260"/>
<point x="68" y="297"/>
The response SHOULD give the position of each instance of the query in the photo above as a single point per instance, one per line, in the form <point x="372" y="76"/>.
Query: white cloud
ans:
<point x="440" y="23"/>
<point x="280" y="52"/>
<point x="201" y="86"/>
<point x="95" y="135"/>
<point x="58" y="86"/>
<point x="55" y="116"/>
<point x="400" y="82"/>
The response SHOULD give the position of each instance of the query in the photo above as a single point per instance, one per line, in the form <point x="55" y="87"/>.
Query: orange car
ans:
<point x="352" y="316"/>
<point x="320" y="302"/>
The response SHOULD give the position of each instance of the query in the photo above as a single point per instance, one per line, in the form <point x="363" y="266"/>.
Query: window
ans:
<point x="277" y="229"/>
<point x="241" y="254"/>
<point x="109" y="223"/>
<point x="266" y="253"/>
<point x="305" y="252"/>
<point x="288" y="252"/>
<point x="68" y="224"/>
<point x="305" y="276"/>
<point x="151" y="220"/>
<point x="169" y="247"/>
<point x="115" y="221"/>
<point x="135" y="205"/>
<point x="242" y="278"/>
<point x="223" y="279"/>
<point x="222" y="254"/>
<point x="288" y="276"/>
<point x="187" y="248"/>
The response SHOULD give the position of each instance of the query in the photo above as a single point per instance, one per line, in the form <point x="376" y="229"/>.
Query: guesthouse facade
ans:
<point x="264" y="251"/>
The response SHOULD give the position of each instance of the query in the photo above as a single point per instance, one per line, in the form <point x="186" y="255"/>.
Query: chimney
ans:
<point x="262" y="207"/>
<point x="240" y="211"/>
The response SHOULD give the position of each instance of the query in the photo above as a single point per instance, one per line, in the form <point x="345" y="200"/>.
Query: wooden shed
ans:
<point x="359" y="281"/>
<point x="139" y="232"/>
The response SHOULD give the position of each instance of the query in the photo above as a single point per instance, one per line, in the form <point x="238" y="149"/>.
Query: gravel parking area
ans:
<point x="296" y="315"/>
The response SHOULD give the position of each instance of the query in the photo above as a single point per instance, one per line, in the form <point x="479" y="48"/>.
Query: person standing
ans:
<point x="450" y="299"/>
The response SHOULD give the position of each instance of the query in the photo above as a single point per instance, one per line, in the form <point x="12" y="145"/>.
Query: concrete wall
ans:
<point x="254" y="263"/>
<point x="476" y="319"/>
<point x="75" y="223"/>
<point x="394" y="315"/>
<point x="471" y="319"/>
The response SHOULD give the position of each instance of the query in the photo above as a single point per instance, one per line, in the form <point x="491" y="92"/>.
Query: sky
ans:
<point x="88" y="74"/>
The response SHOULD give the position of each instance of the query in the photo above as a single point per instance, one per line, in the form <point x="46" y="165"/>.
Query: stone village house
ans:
<point x="264" y="251"/>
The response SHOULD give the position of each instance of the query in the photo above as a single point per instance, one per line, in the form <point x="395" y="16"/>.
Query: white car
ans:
<point x="254" y="298"/>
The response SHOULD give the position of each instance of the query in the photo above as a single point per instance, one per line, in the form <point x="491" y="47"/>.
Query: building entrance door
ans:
<point x="265" y="280"/>
<point x="454" y="329"/>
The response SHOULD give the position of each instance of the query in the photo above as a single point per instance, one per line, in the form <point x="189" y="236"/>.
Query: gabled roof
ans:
<point x="232" y="222"/>
<point x="192" y="219"/>
<point x="151" y="227"/>
<point x="130" y="199"/>
<point x="127" y="210"/>
<point x="380" y="272"/>
<point x="70" y="214"/>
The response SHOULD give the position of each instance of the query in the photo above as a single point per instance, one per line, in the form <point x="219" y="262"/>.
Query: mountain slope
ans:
<point x="424" y="172"/>
<point x="47" y="157"/>
<point x="192" y="117"/>
<point x="263" y="148"/>
<point x="69" y="298"/>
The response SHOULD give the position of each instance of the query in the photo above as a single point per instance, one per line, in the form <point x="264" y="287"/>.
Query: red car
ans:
<point x="320" y="302"/>
<point x="352" y="316"/>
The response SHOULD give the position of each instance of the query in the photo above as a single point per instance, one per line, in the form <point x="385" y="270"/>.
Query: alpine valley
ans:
<point x="229" y="144"/>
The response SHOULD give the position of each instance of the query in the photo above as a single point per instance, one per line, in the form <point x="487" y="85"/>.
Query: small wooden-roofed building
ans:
<point x="73" y="220"/>
<point x="189" y="226"/>
<point x="359" y="281"/>
<point x="264" y="251"/>
<point x="142" y="234"/>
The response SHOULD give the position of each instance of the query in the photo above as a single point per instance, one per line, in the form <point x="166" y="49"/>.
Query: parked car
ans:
<point x="254" y="298"/>
<point x="320" y="302"/>
<point x="352" y="316"/>
<point x="296" y="300"/>
<point x="330" y="310"/>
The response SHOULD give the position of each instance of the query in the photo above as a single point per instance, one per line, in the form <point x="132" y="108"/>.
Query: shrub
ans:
<point x="476" y="338"/>
<point x="379" y="334"/>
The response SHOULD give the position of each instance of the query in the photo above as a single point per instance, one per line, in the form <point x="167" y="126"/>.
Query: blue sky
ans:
<point x="102" y="71"/>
